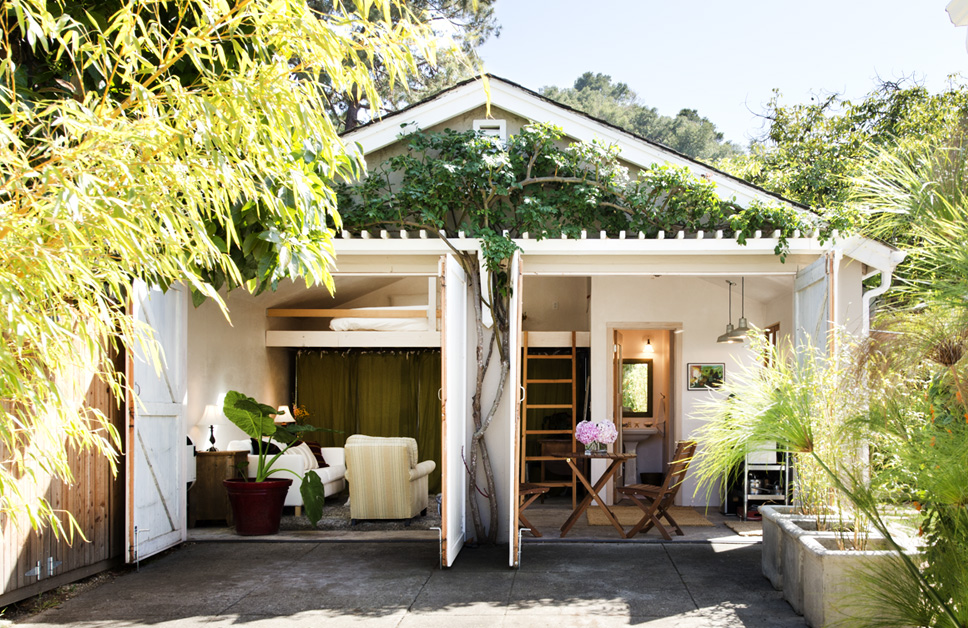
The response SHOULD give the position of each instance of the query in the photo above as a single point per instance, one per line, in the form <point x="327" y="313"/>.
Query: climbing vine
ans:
<point x="537" y="184"/>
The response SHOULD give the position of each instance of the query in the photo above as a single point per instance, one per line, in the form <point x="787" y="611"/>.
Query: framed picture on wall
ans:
<point x="705" y="375"/>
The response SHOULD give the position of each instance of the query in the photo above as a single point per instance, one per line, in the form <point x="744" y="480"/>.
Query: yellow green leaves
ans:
<point x="177" y="155"/>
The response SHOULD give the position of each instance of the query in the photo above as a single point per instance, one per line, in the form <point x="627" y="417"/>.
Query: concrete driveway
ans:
<point x="398" y="584"/>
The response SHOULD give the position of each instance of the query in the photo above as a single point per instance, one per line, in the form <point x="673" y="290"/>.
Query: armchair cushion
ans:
<point x="422" y="469"/>
<point x="387" y="480"/>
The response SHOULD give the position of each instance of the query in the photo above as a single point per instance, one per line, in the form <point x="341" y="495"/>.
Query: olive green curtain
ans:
<point x="426" y="385"/>
<point x="373" y="392"/>
<point x="324" y="388"/>
<point x="385" y="404"/>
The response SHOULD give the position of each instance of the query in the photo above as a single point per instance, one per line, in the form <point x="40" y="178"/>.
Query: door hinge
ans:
<point x="38" y="571"/>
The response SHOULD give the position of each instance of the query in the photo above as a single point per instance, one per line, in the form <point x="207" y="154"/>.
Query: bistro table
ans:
<point x="617" y="459"/>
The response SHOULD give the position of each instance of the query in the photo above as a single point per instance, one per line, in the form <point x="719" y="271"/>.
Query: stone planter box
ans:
<point x="792" y="529"/>
<point x="829" y="583"/>
<point x="771" y="553"/>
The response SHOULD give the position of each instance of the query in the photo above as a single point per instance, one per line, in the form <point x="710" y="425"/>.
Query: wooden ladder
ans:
<point x="526" y="406"/>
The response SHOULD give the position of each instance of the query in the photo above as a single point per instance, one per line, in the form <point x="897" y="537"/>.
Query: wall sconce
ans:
<point x="647" y="347"/>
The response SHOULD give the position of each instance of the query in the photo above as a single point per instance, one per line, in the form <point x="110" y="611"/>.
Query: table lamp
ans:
<point x="284" y="416"/>
<point x="212" y="417"/>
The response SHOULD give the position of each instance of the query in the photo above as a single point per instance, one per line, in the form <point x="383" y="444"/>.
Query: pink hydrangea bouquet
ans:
<point x="586" y="433"/>
<point x="607" y="432"/>
<point x="594" y="436"/>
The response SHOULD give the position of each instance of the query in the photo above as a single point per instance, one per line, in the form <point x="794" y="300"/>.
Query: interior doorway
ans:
<point x="643" y="403"/>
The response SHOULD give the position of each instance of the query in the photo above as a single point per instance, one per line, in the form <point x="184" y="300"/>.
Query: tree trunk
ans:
<point x="351" y="119"/>
<point x="478" y="454"/>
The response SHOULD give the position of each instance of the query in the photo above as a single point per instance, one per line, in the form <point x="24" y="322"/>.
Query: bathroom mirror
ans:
<point x="637" y="387"/>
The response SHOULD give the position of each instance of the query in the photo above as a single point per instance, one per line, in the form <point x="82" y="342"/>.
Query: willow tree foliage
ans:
<point x="538" y="184"/>
<point x="466" y="23"/>
<point x="181" y="141"/>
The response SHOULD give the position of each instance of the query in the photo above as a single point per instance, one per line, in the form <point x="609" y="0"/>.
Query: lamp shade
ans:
<point x="742" y="330"/>
<point x="213" y="416"/>
<point x="728" y="337"/>
<point x="284" y="416"/>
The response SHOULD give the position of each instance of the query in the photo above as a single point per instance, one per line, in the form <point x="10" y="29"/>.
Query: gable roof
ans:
<point x="470" y="94"/>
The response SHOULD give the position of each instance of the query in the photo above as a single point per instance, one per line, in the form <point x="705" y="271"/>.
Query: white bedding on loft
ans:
<point x="382" y="324"/>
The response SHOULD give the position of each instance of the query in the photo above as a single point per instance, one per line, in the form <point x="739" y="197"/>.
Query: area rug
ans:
<point x="630" y="515"/>
<point x="746" y="528"/>
<point x="336" y="516"/>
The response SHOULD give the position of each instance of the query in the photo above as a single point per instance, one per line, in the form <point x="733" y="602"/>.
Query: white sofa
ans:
<point x="332" y="476"/>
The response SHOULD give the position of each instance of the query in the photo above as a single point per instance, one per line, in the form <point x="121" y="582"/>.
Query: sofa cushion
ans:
<point x="331" y="473"/>
<point x="302" y="449"/>
<point x="317" y="450"/>
<point x="270" y="447"/>
<point x="240" y="445"/>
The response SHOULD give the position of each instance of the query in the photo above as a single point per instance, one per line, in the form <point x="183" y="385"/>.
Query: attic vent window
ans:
<point x="494" y="128"/>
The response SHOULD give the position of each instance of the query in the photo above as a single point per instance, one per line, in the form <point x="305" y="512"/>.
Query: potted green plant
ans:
<point x="257" y="503"/>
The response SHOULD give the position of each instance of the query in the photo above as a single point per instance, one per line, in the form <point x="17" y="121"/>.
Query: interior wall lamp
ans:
<point x="727" y="338"/>
<point x="648" y="348"/>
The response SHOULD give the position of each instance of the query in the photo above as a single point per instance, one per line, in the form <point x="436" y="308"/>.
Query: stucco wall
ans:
<point x="695" y="305"/>
<point x="556" y="303"/>
<point x="224" y="356"/>
<point x="780" y="310"/>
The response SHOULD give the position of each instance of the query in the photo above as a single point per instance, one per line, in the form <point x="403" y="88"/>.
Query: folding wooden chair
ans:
<point x="658" y="499"/>
<point x="528" y="493"/>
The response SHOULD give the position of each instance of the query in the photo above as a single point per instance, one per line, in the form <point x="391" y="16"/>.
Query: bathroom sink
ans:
<point x="640" y="433"/>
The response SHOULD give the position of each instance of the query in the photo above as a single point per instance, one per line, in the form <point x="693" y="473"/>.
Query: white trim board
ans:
<point x="296" y="339"/>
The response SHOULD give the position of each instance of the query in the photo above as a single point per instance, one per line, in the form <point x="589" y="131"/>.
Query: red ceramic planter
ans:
<point x="257" y="506"/>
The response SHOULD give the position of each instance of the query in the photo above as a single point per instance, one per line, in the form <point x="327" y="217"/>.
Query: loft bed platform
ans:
<point x="407" y="325"/>
<point x="394" y="326"/>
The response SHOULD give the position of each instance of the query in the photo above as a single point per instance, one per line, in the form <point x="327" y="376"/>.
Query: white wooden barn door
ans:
<point x="456" y="404"/>
<point x="812" y="305"/>
<point x="155" y="442"/>
<point x="513" y="396"/>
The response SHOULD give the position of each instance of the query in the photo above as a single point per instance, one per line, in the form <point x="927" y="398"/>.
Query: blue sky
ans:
<point x="725" y="58"/>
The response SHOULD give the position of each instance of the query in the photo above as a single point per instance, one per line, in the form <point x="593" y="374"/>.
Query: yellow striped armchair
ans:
<point x="386" y="479"/>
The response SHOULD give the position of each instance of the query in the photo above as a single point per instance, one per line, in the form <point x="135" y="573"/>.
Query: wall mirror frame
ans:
<point x="637" y="387"/>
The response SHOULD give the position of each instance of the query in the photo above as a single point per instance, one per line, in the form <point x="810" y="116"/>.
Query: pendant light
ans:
<point x="743" y="328"/>
<point x="727" y="338"/>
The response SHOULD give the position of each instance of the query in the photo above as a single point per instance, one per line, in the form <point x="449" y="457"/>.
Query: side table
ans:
<point x="207" y="499"/>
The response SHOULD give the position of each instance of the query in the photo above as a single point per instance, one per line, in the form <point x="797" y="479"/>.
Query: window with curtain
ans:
<point x="377" y="392"/>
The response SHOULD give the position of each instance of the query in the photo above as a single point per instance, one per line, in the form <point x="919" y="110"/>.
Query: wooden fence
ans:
<point x="31" y="562"/>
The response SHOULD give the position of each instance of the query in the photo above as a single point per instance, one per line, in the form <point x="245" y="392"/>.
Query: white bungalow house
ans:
<point x="663" y="299"/>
